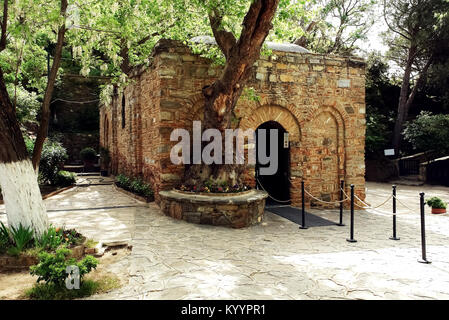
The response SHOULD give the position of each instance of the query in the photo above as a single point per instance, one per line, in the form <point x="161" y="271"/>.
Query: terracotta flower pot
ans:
<point x="438" y="211"/>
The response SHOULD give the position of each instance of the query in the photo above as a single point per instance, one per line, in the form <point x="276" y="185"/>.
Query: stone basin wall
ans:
<point x="236" y="211"/>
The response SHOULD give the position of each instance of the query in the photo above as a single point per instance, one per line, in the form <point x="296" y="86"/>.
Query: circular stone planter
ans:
<point x="236" y="210"/>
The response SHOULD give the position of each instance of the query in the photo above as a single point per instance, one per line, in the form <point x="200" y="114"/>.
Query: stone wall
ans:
<point x="229" y="210"/>
<point x="319" y="100"/>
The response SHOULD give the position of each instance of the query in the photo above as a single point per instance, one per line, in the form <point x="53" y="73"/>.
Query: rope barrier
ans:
<point x="327" y="202"/>
<point x="336" y="202"/>
<point x="367" y="206"/>
<point x="404" y="204"/>
<point x="309" y="194"/>
<point x="281" y="201"/>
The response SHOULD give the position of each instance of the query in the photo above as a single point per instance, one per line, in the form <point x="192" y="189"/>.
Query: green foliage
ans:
<point x="123" y="181"/>
<point x="428" y="132"/>
<point x="50" y="239"/>
<point x="421" y="25"/>
<point x="215" y="186"/>
<point x="381" y="103"/>
<point x="49" y="291"/>
<point x="377" y="133"/>
<point x="52" y="158"/>
<point x="436" y="203"/>
<point x="329" y="26"/>
<point x="19" y="240"/>
<point x="65" y="178"/>
<point x="21" y="237"/>
<point x="27" y="103"/>
<point x="29" y="143"/>
<point x="5" y="239"/>
<point x="52" y="267"/>
<point x="135" y="185"/>
<point x="88" y="154"/>
<point x="141" y="188"/>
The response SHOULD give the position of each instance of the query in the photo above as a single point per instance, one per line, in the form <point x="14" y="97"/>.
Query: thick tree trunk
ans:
<point x="45" y="109"/>
<point x="222" y="96"/>
<point x="18" y="181"/>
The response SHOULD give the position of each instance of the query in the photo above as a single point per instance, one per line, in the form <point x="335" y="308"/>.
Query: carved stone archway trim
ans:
<point x="274" y="113"/>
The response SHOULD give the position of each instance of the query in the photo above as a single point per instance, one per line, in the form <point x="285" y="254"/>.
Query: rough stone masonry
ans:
<point x="318" y="99"/>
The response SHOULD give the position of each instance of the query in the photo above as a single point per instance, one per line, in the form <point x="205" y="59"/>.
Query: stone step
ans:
<point x="407" y="182"/>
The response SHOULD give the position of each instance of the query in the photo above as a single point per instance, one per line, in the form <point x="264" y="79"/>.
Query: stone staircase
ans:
<point x="408" y="180"/>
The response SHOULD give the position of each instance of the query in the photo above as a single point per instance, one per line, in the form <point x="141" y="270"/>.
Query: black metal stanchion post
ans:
<point x="303" y="214"/>
<point x="351" y="239"/>
<point x="423" y="230"/>
<point x="342" y="185"/>
<point x="394" y="237"/>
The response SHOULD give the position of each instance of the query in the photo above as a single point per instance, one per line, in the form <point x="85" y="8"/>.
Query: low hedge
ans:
<point x="136" y="186"/>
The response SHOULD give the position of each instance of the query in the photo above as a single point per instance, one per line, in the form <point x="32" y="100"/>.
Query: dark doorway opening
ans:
<point x="278" y="184"/>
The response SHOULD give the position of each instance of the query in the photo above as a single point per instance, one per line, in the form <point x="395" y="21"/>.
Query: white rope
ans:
<point x="404" y="204"/>
<point x="281" y="201"/>
<point x="367" y="206"/>
<point x="309" y="194"/>
<point x="335" y="202"/>
<point x="327" y="202"/>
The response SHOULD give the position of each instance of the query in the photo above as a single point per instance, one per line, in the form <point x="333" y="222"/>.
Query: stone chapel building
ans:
<point x="318" y="101"/>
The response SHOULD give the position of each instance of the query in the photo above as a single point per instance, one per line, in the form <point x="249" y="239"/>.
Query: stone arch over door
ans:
<point x="290" y="123"/>
<point x="324" y="138"/>
<point x="274" y="113"/>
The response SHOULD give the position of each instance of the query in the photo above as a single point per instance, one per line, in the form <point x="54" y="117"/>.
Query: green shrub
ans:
<point x="65" y="178"/>
<point x="29" y="143"/>
<point x="436" y="203"/>
<point x="123" y="181"/>
<point x="27" y="103"/>
<point x="5" y="238"/>
<point x="50" y="239"/>
<point x="52" y="267"/>
<point x="136" y="185"/>
<point x="428" y="132"/>
<point x="53" y="156"/>
<point x="88" y="287"/>
<point x="88" y="154"/>
<point x="21" y="237"/>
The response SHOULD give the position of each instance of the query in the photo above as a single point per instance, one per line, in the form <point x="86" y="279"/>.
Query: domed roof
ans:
<point x="286" y="47"/>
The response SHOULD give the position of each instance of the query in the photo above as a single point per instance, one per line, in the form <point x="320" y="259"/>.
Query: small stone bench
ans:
<point x="236" y="210"/>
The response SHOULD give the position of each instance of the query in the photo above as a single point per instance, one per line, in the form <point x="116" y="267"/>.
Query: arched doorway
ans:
<point x="278" y="184"/>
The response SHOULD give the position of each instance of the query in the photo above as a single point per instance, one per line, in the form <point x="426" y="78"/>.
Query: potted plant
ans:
<point x="438" y="205"/>
<point x="89" y="156"/>
<point x="105" y="159"/>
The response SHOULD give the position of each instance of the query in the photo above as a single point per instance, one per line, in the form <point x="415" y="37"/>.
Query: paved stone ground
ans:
<point x="274" y="260"/>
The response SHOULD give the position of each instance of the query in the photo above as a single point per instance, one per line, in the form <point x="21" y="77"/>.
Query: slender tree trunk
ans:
<point x="403" y="97"/>
<point x="406" y="99"/>
<point x="222" y="96"/>
<point x="18" y="180"/>
<point x="45" y="109"/>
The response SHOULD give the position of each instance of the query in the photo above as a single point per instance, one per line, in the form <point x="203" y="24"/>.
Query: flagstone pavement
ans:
<point x="173" y="259"/>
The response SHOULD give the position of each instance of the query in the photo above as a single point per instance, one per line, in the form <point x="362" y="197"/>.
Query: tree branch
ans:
<point x="225" y="39"/>
<point x="45" y="118"/>
<point x="4" y="25"/>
